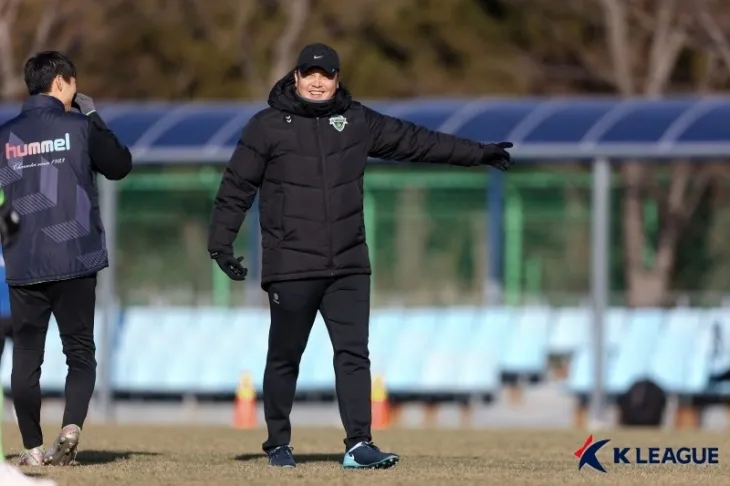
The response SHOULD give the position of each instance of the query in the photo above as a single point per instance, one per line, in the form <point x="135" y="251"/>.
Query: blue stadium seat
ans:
<point x="573" y="329"/>
<point x="700" y="361"/>
<point x="616" y="322"/>
<point x="183" y="360"/>
<point x="141" y="357"/>
<point x="403" y="368"/>
<point x="492" y="331"/>
<point x="477" y="373"/>
<point x="633" y="361"/>
<point x="581" y="378"/>
<point x="570" y="330"/>
<point x="250" y="343"/>
<point x="580" y="375"/>
<point x="190" y="329"/>
<point x="219" y="372"/>
<point x="240" y="339"/>
<point x="444" y="360"/>
<point x="384" y="326"/>
<point x="714" y="357"/>
<point x="720" y="318"/>
<point x="528" y="345"/>
<point x="670" y="362"/>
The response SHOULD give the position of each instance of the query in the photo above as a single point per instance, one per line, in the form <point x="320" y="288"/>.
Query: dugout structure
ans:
<point x="590" y="131"/>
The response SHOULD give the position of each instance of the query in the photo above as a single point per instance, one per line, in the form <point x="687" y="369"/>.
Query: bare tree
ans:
<point x="296" y="13"/>
<point x="37" y="29"/>
<point x="636" y="53"/>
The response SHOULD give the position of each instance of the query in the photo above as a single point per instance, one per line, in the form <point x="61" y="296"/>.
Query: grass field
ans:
<point x="147" y="456"/>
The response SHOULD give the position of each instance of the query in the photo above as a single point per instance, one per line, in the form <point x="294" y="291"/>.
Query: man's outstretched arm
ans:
<point x="396" y="139"/>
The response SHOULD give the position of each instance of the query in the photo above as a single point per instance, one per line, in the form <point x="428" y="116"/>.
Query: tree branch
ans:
<point x="44" y="26"/>
<point x="11" y="82"/>
<point x="680" y="207"/>
<point x="297" y="12"/>
<point x="667" y="43"/>
<point x="618" y="42"/>
<point x="633" y="221"/>
<point x="715" y="32"/>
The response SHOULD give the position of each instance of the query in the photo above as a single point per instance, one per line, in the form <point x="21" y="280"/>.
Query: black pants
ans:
<point x="345" y="306"/>
<point x="72" y="302"/>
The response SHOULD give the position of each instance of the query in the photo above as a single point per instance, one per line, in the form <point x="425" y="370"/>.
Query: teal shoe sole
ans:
<point x="349" y="463"/>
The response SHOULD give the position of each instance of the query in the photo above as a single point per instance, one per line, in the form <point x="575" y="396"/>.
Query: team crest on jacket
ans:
<point x="338" y="122"/>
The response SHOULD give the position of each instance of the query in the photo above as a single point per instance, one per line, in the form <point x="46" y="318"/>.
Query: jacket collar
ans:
<point x="41" y="101"/>
<point x="283" y="97"/>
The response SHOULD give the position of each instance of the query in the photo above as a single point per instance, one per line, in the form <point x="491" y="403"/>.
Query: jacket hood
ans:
<point x="283" y="97"/>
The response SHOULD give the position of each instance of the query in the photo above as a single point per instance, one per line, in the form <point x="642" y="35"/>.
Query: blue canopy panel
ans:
<point x="541" y="129"/>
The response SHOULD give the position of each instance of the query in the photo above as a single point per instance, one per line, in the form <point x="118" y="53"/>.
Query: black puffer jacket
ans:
<point x="308" y="159"/>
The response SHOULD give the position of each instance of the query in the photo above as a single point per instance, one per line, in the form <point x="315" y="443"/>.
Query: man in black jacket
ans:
<point x="307" y="154"/>
<point x="48" y="168"/>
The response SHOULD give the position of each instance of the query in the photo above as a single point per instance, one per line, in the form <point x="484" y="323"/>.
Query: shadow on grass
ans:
<point x="90" y="458"/>
<point x="299" y="458"/>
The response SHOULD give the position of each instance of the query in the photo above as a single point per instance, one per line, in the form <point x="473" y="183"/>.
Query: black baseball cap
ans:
<point x="319" y="56"/>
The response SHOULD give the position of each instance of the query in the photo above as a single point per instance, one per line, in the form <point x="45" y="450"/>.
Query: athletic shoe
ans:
<point x="63" y="450"/>
<point x="281" y="457"/>
<point x="366" y="455"/>
<point x="32" y="457"/>
<point x="11" y="476"/>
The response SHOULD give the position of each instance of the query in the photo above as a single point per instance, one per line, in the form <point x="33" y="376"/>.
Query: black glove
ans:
<point x="9" y="223"/>
<point x="231" y="266"/>
<point x="496" y="155"/>
<point x="83" y="103"/>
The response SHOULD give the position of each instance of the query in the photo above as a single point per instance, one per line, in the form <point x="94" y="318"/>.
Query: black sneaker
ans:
<point x="281" y="457"/>
<point x="366" y="455"/>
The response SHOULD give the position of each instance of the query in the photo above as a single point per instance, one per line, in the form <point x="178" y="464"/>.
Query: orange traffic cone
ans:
<point x="380" y="404"/>
<point x="245" y="404"/>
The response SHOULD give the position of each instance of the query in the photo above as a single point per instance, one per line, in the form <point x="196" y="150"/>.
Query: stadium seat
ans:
<point x="183" y="361"/>
<point x="477" y="373"/>
<point x="700" y="359"/>
<point x="445" y="358"/>
<point x="239" y="337"/>
<point x="581" y="375"/>
<point x="570" y="330"/>
<point x="719" y="321"/>
<point x="384" y="326"/>
<point x="144" y="346"/>
<point x="527" y="348"/>
<point x="249" y="347"/>
<point x="492" y="331"/>
<point x="616" y="323"/>
<point x="633" y="360"/>
<point x="573" y="329"/>
<point x="403" y="367"/>
<point x="671" y="359"/>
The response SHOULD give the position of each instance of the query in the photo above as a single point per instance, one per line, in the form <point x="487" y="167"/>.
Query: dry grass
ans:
<point x="148" y="456"/>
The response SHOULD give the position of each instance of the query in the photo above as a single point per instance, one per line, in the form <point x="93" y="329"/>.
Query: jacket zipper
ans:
<point x="326" y="198"/>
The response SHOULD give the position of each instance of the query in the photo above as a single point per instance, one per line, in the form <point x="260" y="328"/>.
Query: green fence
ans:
<point x="428" y="236"/>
